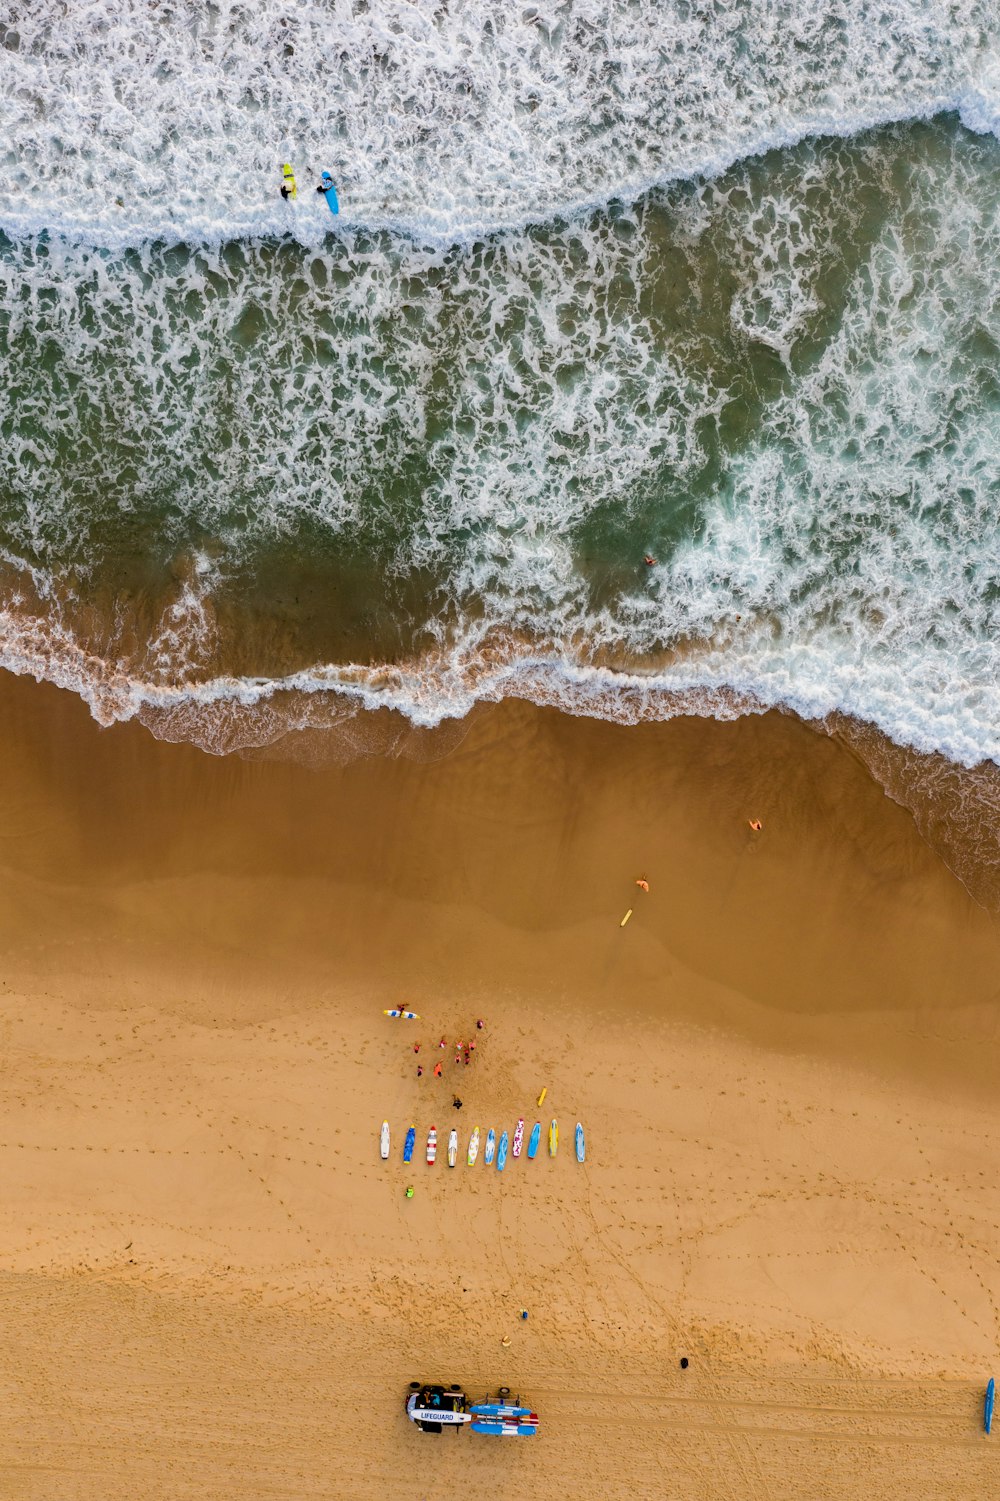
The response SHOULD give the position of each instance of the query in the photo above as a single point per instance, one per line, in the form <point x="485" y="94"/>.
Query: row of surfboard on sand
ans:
<point x="492" y="1148"/>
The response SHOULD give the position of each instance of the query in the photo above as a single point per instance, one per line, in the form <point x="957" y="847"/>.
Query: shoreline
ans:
<point x="353" y="711"/>
<point x="785" y="1065"/>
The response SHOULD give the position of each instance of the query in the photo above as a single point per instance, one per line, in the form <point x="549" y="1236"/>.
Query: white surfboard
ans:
<point x="453" y="1146"/>
<point x="385" y="1140"/>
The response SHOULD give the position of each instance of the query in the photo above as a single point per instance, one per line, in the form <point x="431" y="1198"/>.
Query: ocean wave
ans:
<point x="125" y="124"/>
<point x="115" y="228"/>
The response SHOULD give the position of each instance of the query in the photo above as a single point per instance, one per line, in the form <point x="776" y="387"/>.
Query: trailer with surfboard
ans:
<point x="433" y="1408"/>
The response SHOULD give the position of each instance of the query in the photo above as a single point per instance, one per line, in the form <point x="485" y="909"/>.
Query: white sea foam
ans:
<point x="128" y="121"/>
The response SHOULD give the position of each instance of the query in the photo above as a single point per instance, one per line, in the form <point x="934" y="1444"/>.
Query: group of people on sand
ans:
<point x="463" y="1051"/>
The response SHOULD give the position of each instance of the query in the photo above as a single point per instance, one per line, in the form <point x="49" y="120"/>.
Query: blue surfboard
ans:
<point x="499" y="1410"/>
<point x="581" y="1147"/>
<point x="491" y="1146"/>
<point x="411" y="1137"/>
<point x="536" y="1136"/>
<point x="988" y="1406"/>
<point x="488" y="1425"/>
<point x="329" y="191"/>
<point x="502" y="1154"/>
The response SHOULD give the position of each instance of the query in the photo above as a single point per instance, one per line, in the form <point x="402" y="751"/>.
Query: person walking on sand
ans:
<point x="755" y="824"/>
<point x="416" y="1047"/>
<point x="456" y="1103"/>
<point x="437" y="1070"/>
<point x="419" y="1071"/>
<point x="643" y="884"/>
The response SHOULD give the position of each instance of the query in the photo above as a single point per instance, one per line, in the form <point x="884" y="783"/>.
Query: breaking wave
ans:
<point x="126" y="122"/>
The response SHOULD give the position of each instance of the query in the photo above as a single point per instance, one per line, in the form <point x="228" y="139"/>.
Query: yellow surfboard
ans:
<point x="289" y="177"/>
<point x="553" y="1139"/>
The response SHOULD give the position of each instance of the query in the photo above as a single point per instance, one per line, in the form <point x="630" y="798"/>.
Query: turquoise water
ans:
<point x="713" y="286"/>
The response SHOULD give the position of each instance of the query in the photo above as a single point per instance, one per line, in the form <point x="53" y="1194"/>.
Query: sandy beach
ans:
<point x="210" y="1284"/>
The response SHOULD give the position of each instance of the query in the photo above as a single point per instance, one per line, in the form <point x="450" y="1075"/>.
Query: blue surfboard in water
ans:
<point x="988" y="1406"/>
<point x="502" y="1153"/>
<point x="329" y="191"/>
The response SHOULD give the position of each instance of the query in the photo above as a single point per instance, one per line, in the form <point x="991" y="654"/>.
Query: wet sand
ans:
<point x="785" y="1063"/>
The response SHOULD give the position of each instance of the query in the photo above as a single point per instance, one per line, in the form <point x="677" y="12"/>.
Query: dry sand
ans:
<point x="212" y="1287"/>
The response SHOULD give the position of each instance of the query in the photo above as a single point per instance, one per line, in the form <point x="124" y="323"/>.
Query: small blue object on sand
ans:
<point x="330" y="193"/>
<point x="988" y="1406"/>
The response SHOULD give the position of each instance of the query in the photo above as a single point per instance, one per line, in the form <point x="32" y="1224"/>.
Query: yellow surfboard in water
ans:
<point x="289" y="177"/>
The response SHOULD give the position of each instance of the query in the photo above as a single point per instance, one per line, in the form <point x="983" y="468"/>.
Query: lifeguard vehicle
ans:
<point x="435" y="1408"/>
